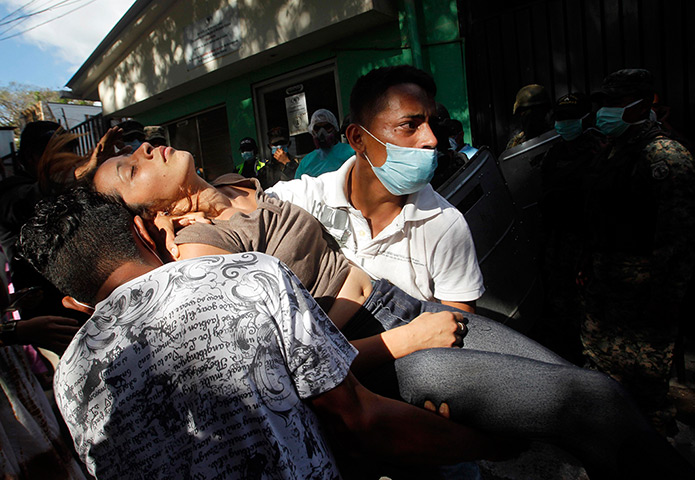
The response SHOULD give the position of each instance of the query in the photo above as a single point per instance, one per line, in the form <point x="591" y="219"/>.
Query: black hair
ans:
<point x="367" y="96"/>
<point x="32" y="143"/>
<point x="76" y="240"/>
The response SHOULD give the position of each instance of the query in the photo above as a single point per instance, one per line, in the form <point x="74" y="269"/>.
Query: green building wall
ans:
<point x="442" y="55"/>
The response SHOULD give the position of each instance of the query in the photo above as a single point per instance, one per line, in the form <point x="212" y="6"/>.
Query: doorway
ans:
<point x="289" y="100"/>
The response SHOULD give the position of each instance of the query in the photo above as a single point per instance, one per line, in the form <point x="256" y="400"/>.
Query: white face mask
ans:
<point x="406" y="170"/>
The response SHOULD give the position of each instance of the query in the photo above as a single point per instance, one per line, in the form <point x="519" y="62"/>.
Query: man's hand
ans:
<point x="105" y="149"/>
<point x="433" y="330"/>
<point x="281" y="156"/>
<point x="50" y="332"/>
<point x="427" y="330"/>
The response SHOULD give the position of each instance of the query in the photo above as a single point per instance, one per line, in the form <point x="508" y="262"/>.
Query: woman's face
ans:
<point x="149" y="176"/>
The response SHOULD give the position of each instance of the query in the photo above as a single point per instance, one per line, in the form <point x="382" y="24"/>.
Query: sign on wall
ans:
<point x="297" y="114"/>
<point x="212" y="37"/>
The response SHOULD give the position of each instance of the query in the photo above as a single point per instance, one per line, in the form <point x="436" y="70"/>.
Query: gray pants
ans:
<point x="505" y="383"/>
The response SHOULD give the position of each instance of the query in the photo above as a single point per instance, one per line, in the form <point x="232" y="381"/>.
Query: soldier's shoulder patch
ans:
<point x="660" y="170"/>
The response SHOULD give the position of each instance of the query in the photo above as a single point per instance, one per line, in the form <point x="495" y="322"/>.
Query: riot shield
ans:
<point x="506" y="253"/>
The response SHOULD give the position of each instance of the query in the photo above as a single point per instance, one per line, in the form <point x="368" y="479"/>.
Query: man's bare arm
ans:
<point x="365" y="422"/>
<point x="465" y="306"/>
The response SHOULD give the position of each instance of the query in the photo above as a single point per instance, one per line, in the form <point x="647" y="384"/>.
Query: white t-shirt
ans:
<point x="427" y="250"/>
<point x="199" y="369"/>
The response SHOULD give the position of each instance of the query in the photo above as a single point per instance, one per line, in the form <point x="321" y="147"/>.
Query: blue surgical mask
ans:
<point x="609" y="120"/>
<point x="406" y="170"/>
<point x="570" y="129"/>
<point x="275" y="148"/>
<point x="247" y="155"/>
<point x="134" y="144"/>
<point x="453" y="145"/>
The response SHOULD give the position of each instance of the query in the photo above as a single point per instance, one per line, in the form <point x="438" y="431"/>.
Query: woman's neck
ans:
<point x="202" y="197"/>
<point x="216" y="202"/>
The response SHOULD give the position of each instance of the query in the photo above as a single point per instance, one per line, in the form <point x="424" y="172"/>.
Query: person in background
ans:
<point x="641" y="214"/>
<point x="532" y="108"/>
<point x="156" y="136"/>
<point x="31" y="441"/>
<point x="330" y="153"/>
<point x="563" y="171"/>
<point x="20" y="192"/>
<point x="34" y="314"/>
<point x="133" y="134"/>
<point x="449" y="160"/>
<point x="249" y="154"/>
<point x="282" y="165"/>
<point x="457" y="142"/>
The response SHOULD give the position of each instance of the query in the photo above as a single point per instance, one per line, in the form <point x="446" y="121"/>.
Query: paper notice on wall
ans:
<point x="297" y="116"/>
<point x="212" y="37"/>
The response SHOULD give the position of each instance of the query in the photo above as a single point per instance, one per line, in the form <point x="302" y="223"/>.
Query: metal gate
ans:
<point x="570" y="45"/>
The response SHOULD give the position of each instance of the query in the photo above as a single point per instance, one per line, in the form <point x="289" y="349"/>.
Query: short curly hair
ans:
<point x="367" y="97"/>
<point x="76" y="240"/>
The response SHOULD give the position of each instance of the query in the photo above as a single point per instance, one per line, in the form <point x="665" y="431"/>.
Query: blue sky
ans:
<point x="49" y="55"/>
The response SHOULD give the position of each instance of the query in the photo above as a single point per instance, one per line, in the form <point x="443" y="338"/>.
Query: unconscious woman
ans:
<point x="498" y="380"/>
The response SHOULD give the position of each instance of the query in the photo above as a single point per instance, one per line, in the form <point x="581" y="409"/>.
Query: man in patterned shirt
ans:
<point x="215" y="367"/>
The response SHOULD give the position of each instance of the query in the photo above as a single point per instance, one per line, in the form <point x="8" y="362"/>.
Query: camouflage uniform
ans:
<point x="642" y="207"/>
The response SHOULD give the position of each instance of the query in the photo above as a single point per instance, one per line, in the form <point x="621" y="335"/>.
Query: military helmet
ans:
<point x="629" y="82"/>
<point x="529" y="96"/>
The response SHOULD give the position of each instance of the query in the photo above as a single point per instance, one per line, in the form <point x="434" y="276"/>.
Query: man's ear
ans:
<point x="71" y="303"/>
<point x="139" y="225"/>
<point x="354" y="135"/>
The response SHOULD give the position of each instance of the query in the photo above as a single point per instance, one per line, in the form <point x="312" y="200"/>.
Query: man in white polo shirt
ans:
<point x="379" y="205"/>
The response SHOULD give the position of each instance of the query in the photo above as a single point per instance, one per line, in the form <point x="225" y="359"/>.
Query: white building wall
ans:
<point x="242" y="35"/>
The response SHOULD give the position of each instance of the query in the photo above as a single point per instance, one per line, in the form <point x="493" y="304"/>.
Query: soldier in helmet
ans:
<point x="563" y="170"/>
<point x="641" y="208"/>
<point x="532" y="106"/>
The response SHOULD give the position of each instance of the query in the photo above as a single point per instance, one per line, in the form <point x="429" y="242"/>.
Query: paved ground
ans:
<point x="543" y="462"/>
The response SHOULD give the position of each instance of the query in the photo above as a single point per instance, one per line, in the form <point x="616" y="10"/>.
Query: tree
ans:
<point x="15" y="98"/>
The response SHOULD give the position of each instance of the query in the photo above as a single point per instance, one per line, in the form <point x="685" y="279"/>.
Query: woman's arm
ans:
<point x="428" y="330"/>
<point x="193" y="250"/>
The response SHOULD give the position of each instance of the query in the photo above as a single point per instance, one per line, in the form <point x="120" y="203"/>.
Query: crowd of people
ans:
<point x="286" y="319"/>
<point x="618" y="216"/>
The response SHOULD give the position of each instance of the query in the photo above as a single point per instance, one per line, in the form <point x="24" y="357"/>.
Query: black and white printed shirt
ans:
<point x="199" y="369"/>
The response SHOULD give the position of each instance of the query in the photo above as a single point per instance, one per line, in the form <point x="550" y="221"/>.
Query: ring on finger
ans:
<point x="462" y="327"/>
